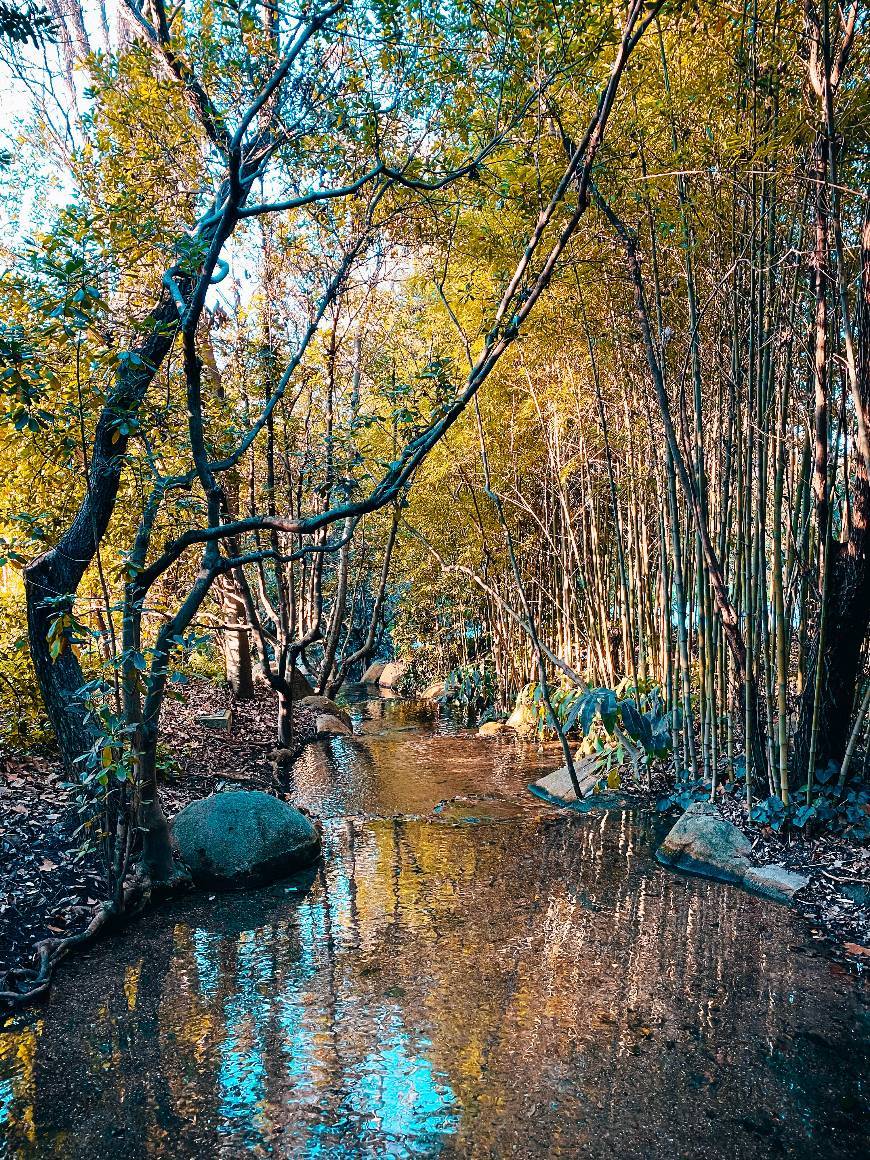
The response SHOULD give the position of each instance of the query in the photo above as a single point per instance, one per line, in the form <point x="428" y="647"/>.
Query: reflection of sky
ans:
<point x="398" y="1091"/>
<point x="242" y="1075"/>
<point x="7" y="1101"/>
<point x="204" y="943"/>
<point x="385" y="1099"/>
<point x="343" y="1074"/>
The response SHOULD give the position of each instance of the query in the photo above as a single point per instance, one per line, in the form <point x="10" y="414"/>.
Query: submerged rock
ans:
<point x="703" y="842"/>
<point x="434" y="693"/>
<point x="243" y="838"/>
<point x="477" y="809"/>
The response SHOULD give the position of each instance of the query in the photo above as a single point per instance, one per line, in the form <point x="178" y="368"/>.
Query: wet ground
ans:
<point x="485" y="977"/>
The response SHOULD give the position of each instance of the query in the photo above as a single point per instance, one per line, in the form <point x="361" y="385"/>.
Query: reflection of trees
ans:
<point x="17" y="1086"/>
<point x="334" y="777"/>
<point x="95" y="1025"/>
<point x="505" y="984"/>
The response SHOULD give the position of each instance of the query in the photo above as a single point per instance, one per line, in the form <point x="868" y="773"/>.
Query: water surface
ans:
<point x="487" y="978"/>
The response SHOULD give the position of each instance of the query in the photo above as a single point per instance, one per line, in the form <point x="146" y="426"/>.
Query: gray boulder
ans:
<point x="703" y="842"/>
<point x="328" y="725"/>
<point x="324" y="705"/>
<point x="243" y="838"/>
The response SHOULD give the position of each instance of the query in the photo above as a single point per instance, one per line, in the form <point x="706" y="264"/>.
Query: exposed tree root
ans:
<point x="25" y="985"/>
<point x="33" y="982"/>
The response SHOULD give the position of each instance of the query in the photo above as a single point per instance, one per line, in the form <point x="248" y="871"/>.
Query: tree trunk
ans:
<point x="236" y="641"/>
<point x="156" y="860"/>
<point x="60" y="679"/>
<point x="57" y="574"/>
<point x="848" y="597"/>
<point x="285" y="720"/>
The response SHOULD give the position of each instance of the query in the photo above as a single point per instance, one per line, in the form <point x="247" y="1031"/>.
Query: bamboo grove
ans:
<point x="725" y="300"/>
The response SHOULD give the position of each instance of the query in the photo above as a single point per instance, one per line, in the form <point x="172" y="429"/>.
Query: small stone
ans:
<point x="491" y="729"/>
<point x="220" y="721"/>
<point x="855" y="892"/>
<point x="774" y="882"/>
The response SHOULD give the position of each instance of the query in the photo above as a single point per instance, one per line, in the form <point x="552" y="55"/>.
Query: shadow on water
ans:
<point x="530" y="985"/>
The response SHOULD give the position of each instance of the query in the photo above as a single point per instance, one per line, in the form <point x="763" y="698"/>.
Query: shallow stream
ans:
<point x="483" y="978"/>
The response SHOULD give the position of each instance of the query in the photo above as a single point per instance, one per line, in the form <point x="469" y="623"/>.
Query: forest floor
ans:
<point x="836" y="903"/>
<point x="48" y="889"/>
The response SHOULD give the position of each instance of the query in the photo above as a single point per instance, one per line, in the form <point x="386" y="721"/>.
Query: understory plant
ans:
<point x="473" y="688"/>
<point x="608" y="715"/>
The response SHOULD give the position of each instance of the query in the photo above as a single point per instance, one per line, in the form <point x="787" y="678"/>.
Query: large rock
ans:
<point x="558" y="784"/>
<point x="243" y="838"/>
<point x="434" y="692"/>
<point x="329" y="726"/>
<point x="373" y="673"/>
<point x="326" y="706"/>
<point x="703" y="842"/>
<point x="392" y="674"/>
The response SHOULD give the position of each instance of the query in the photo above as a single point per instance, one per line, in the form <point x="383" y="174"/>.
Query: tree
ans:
<point x="314" y="107"/>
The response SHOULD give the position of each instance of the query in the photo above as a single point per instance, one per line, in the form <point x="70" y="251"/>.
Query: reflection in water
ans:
<point x="405" y="758"/>
<point x="533" y="986"/>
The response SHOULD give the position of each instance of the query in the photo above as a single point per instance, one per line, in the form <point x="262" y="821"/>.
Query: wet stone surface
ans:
<point x="533" y="984"/>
